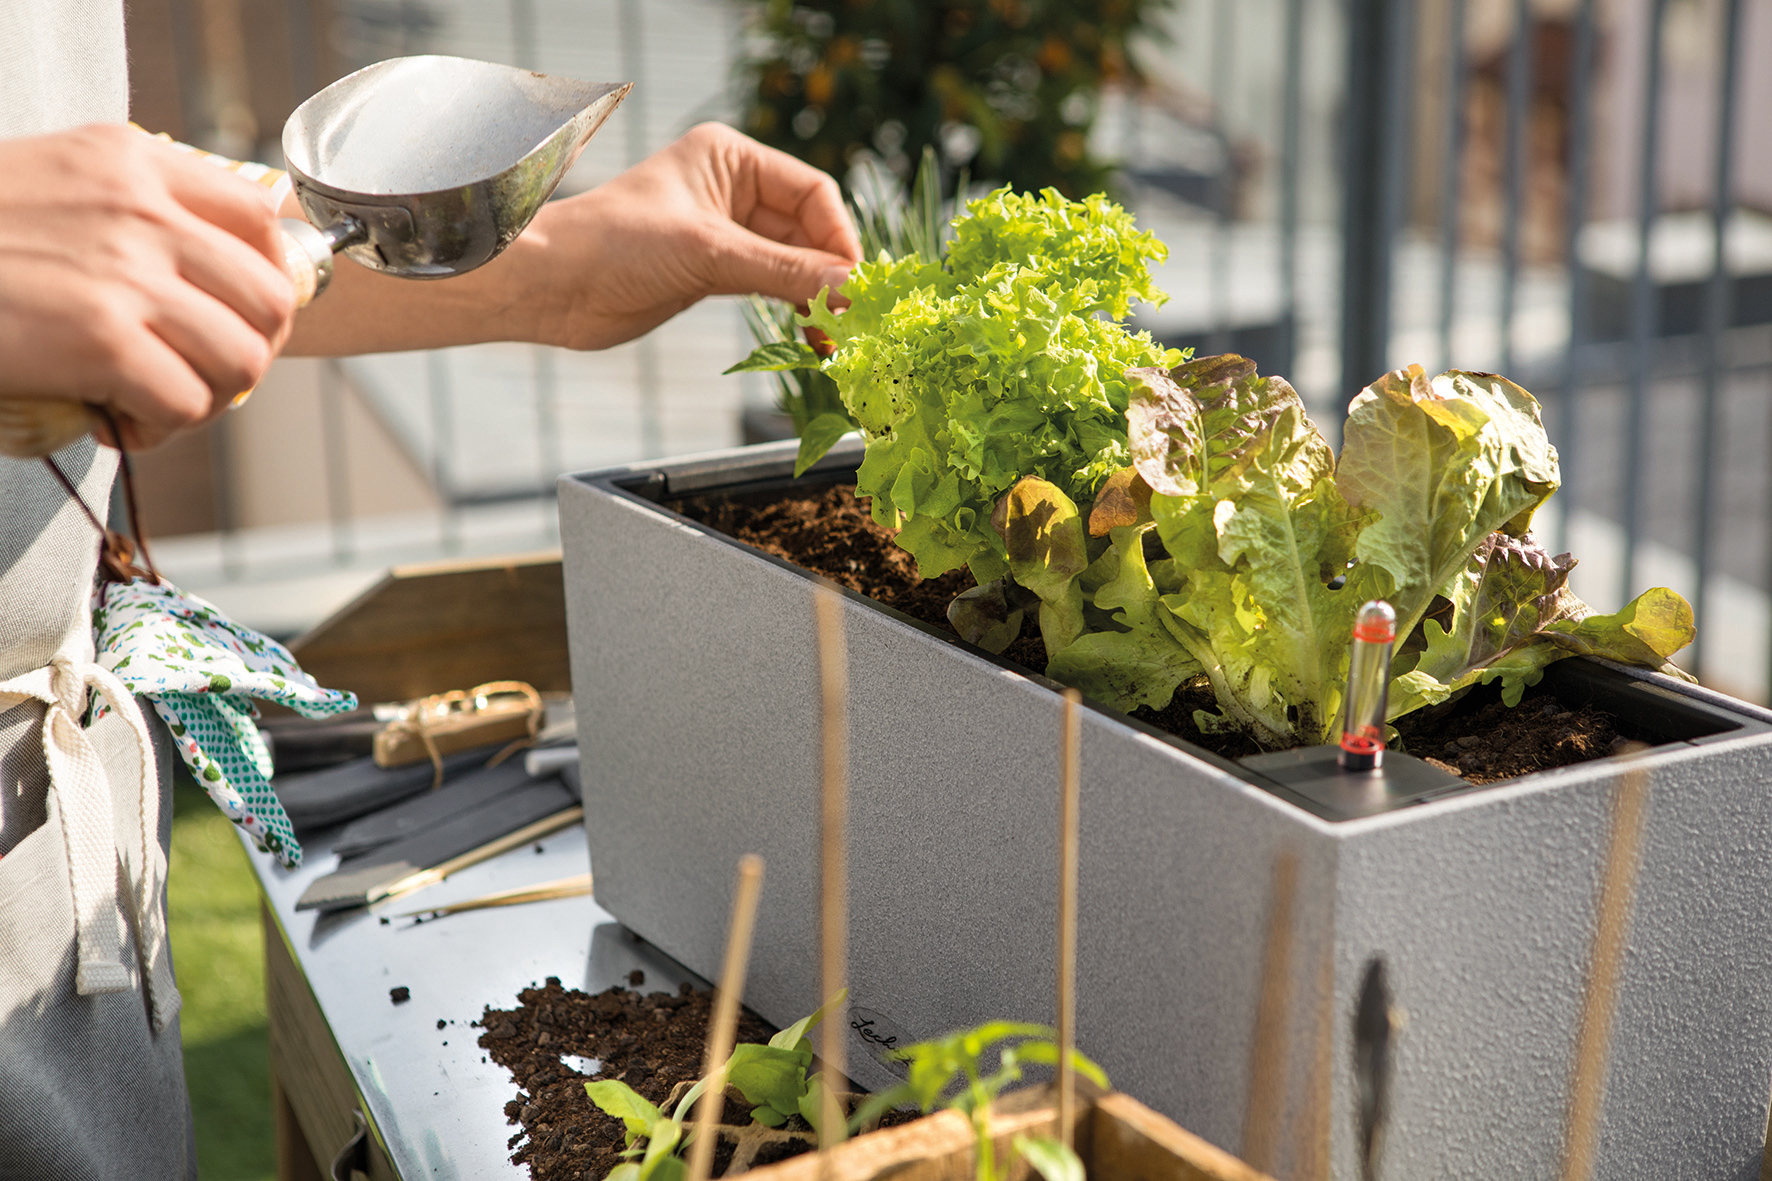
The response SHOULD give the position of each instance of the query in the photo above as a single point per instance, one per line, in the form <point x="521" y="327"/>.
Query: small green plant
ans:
<point x="955" y="1065"/>
<point x="662" y="1135"/>
<point x="772" y="1077"/>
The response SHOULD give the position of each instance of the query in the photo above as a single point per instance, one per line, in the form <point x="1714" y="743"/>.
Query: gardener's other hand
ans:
<point x="135" y="276"/>
<point x="715" y="213"/>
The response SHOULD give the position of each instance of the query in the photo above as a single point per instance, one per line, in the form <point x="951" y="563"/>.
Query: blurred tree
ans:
<point x="1007" y="89"/>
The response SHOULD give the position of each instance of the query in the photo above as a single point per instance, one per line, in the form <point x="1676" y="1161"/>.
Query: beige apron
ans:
<point x="91" y="1073"/>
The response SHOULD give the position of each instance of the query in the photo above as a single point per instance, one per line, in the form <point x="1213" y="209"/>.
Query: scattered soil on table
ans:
<point x="652" y="1042"/>
<point x="829" y="531"/>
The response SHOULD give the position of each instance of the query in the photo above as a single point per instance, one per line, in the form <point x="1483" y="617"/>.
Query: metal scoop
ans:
<point x="419" y="167"/>
<point x="426" y="167"/>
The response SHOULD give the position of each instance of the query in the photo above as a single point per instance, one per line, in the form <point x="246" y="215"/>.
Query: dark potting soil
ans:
<point x="652" y="1042"/>
<point x="1496" y="742"/>
<point x="829" y="531"/>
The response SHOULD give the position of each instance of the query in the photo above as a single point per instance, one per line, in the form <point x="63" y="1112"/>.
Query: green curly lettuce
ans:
<point x="998" y="363"/>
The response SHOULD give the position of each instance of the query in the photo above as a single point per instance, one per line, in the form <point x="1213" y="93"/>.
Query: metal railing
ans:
<point x="1376" y="126"/>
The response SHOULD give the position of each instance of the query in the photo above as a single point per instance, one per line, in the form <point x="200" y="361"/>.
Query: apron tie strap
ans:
<point x="83" y="791"/>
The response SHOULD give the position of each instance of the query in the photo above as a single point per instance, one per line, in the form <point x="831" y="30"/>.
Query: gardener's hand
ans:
<point x="135" y="276"/>
<point x="715" y="213"/>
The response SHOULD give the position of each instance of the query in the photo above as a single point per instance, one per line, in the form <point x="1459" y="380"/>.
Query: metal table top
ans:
<point x="436" y="1102"/>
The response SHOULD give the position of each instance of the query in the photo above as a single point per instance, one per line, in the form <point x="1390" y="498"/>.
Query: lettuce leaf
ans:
<point x="1443" y="463"/>
<point x="1510" y="591"/>
<point x="1047" y="550"/>
<point x="1246" y="505"/>
<point x="1650" y="628"/>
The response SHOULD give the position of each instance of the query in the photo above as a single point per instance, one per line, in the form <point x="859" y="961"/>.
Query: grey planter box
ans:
<point x="696" y="687"/>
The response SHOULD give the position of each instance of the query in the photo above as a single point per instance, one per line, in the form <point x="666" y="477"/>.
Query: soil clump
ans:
<point x="651" y="1042"/>
<point x="828" y="530"/>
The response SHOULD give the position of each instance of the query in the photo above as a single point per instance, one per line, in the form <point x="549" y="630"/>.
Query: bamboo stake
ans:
<point x="1070" y="769"/>
<point x="724" y="1030"/>
<point x="1267" y="1056"/>
<point x="833" y="679"/>
<point x="1599" y="999"/>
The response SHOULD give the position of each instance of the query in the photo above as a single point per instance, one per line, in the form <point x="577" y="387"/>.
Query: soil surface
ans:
<point x="1494" y="742"/>
<point x="829" y="531"/>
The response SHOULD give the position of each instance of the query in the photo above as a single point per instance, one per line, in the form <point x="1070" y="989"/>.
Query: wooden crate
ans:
<point x="1118" y="1138"/>
<point x="439" y="626"/>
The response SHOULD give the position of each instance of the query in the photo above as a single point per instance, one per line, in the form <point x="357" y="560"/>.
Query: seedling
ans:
<point x="954" y="1064"/>
<point x="651" y="1136"/>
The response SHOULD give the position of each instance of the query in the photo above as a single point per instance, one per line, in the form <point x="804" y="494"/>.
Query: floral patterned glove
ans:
<point x="201" y="671"/>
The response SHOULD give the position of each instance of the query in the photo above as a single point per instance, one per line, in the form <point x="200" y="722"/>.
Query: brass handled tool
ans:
<point x="418" y="167"/>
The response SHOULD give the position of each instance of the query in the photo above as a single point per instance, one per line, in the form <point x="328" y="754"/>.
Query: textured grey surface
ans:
<point x="695" y="680"/>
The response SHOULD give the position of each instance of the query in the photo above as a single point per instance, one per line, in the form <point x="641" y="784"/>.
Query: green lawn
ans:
<point x="219" y="955"/>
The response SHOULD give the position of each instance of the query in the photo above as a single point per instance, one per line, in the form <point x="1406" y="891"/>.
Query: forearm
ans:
<point x="367" y="312"/>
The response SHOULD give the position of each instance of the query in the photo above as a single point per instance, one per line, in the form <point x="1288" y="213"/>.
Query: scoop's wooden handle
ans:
<point x="31" y="428"/>
<point x="307" y="256"/>
<point x="34" y="427"/>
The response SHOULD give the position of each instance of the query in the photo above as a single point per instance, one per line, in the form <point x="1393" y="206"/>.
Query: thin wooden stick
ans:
<point x="1599" y="999"/>
<point x="1267" y="1055"/>
<point x="1311" y="1145"/>
<point x="833" y="679"/>
<point x="725" y="1026"/>
<point x="572" y="887"/>
<point x="1070" y="775"/>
